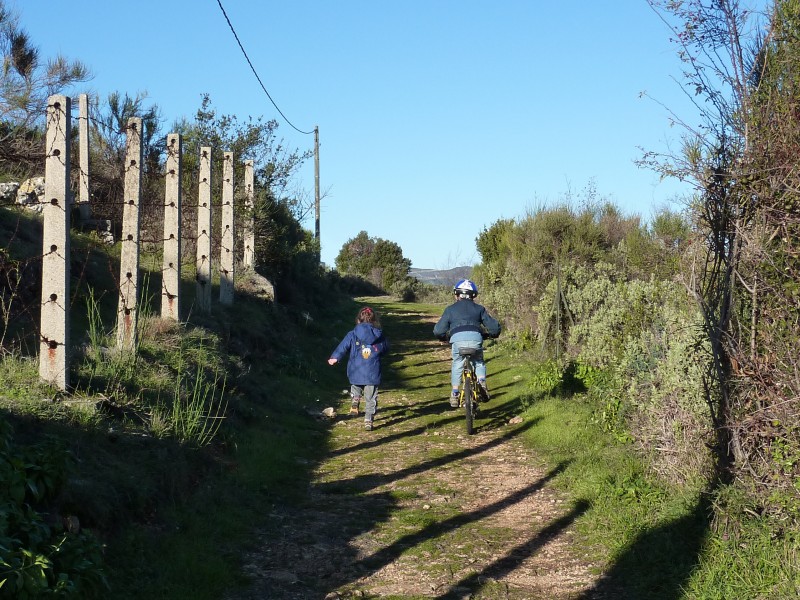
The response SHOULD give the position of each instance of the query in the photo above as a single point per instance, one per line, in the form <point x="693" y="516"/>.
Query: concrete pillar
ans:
<point x="84" y="197"/>
<point x="226" y="259"/>
<point x="203" y="272"/>
<point x="54" y="342"/>
<point x="248" y="258"/>
<point x="129" y="279"/>
<point x="171" y="269"/>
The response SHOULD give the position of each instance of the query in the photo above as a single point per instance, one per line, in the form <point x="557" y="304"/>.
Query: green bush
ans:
<point x="662" y="370"/>
<point x="379" y="261"/>
<point x="37" y="556"/>
<point x="433" y="294"/>
<point x="645" y="338"/>
<point x="405" y="289"/>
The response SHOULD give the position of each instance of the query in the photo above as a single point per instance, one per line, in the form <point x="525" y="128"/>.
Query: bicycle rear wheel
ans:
<point x="468" y="404"/>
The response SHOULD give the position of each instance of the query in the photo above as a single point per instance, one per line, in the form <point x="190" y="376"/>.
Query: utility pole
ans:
<point x="316" y="188"/>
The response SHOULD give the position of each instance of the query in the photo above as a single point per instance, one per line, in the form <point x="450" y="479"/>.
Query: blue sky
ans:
<point x="436" y="117"/>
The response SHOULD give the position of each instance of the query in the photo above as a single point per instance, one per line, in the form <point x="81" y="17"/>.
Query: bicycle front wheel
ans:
<point x="468" y="403"/>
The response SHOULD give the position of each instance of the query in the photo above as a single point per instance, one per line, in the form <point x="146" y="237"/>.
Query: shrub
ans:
<point x="646" y="337"/>
<point x="37" y="556"/>
<point x="433" y="294"/>
<point x="379" y="261"/>
<point x="405" y="289"/>
<point x="662" y="372"/>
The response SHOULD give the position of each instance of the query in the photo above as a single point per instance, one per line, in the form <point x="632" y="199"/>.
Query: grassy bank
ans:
<point x="264" y="458"/>
<point x="173" y="510"/>
<point x="145" y="478"/>
<point x="655" y="539"/>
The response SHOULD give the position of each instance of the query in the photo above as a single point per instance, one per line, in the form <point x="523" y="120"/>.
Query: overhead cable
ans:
<point x="255" y="73"/>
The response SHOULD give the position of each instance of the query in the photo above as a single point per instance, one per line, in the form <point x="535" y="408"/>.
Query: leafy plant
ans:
<point x="38" y="558"/>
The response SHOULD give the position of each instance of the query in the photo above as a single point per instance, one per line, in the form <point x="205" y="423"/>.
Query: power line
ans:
<point x="255" y="73"/>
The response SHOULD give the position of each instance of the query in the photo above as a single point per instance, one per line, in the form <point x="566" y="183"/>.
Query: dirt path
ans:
<point x="418" y="509"/>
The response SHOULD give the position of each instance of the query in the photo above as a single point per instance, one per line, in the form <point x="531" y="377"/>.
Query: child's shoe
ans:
<point x="354" y="406"/>
<point x="454" y="399"/>
<point x="367" y="425"/>
<point x="485" y="390"/>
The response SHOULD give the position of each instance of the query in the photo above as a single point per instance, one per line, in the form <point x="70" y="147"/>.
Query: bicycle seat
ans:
<point x="468" y="351"/>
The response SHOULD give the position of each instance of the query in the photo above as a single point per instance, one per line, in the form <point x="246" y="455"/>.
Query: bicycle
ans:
<point x="470" y="392"/>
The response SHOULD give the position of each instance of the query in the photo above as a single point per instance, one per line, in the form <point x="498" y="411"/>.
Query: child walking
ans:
<point x="364" y="346"/>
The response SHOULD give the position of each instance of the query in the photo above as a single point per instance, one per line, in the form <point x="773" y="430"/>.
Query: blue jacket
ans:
<point x="466" y="315"/>
<point x="365" y="345"/>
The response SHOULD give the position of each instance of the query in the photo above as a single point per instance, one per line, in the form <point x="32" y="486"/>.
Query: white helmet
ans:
<point x="465" y="289"/>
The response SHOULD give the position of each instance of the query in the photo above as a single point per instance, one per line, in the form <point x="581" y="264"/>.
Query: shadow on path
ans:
<point x="380" y="441"/>
<point x="392" y="552"/>
<point x="658" y="562"/>
<point x="363" y="483"/>
<point x="500" y="568"/>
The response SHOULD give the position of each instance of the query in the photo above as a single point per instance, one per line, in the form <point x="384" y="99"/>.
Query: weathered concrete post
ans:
<point x="54" y="343"/>
<point x="249" y="223"/>
<point x="171" y="269"/>
<point x="84" y="197"/>
<point x="226" y="259"/>
<point x="128" y="306"/>
<point x="203" y="273"/>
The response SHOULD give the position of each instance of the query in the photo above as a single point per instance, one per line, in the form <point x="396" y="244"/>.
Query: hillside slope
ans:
<point x="446" y="277"/>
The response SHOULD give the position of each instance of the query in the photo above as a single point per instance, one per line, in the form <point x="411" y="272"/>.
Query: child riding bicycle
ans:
<point x="464" y="324"/>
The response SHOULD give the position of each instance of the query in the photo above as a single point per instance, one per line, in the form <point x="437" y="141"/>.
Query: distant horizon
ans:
<point x="443" y="270"/>
<point x="443" y="277"/>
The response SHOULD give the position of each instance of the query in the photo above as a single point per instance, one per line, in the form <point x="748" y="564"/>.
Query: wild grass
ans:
<point x="184" y="367"/>
<point x="653" y="538"/>
<point x="264" y="456"/>
<point x="195" y="412"/>
<point x="753" y="564"/>
<point x="17" y="374"/>
<point x="747" y="556"/>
